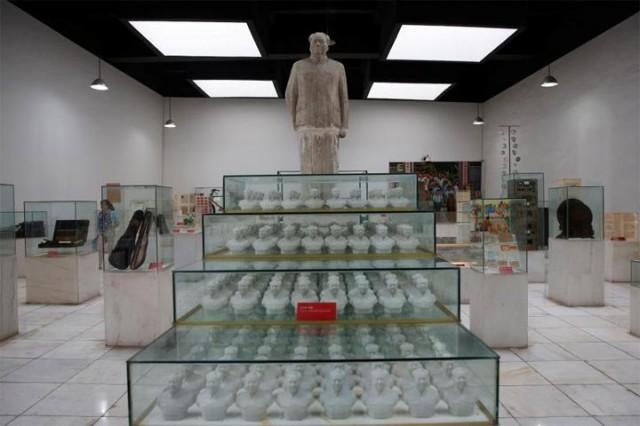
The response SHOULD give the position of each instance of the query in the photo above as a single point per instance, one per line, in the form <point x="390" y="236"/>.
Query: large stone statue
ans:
<point x="318" y="101"/>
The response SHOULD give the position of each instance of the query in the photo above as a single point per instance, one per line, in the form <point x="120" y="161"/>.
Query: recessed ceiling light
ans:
<point x="238" y="88"/>
<point x="408" y="91"/>
<point x="444" y="43"/>
<point x="178" y="38"/>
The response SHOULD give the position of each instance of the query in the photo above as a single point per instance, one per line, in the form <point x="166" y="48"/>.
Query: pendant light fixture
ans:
<point x="478" y="121"/>
<point x="549" y="80"/>
<point x="99" y="84"/>
<point x="170" y="124"/>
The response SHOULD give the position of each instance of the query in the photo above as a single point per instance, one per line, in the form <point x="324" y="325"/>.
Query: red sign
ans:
<point x="506" y="270"/>
<point x="316" y="311"/>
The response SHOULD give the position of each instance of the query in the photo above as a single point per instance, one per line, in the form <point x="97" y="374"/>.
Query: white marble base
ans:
<point x="138" y="306"/>
<point x="8" y="297"/>
<point x="634" y="308"/>
<point x="187" y="248"/>
<point x="20" y="259"/>
<point x="498" y="312"/>
<point x="537" y="266"/>
<point x="617" y="259"/>
<point x="468" y="279"/>
<point x="576" y="272"/>
<point x="68" y="279"/>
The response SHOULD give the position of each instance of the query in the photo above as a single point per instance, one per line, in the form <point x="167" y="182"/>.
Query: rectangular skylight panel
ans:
<point x="407" y="91"/>
<point x="184" y="38"/>
<point x="446" y="43"/>
<point x="238" y="88"/>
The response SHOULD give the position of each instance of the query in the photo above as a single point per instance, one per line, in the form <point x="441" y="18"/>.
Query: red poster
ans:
<point x="316" y="311"/>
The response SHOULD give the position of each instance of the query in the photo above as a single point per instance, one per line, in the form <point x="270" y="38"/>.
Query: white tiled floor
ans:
<point x="582" y="367"/>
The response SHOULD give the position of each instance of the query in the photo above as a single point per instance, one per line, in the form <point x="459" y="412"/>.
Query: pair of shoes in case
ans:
<point x="131" y="249"/>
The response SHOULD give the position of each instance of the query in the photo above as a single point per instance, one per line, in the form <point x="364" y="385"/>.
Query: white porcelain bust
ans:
<point x="381" y="241"/>
<point x="250" y="200"/>
<point x="338" y="398"/>
<point x="392" y="299"/>
<point x="292" y="201"/>
<point x="213" y="401"/>
<point x="239" y="243"/>
<point x="303" y="294"/>
<point x="230" y="381"/>
<point x="460" y="401"/>
<point x="174" y="401"/>
<point x="292" y="399"/>
<point x="273" y="201"/>
<point x="421" y="297"/>
<point x="421" y="396"/>
<point x="380" y="398"/>
<point x="333" y="293"/>
<point x="336" y="243"/>
<point x="377" y="199"/>
<point x="191" y="382"/>
<point x="359" y="242"/>
<point x="335" y="202"/>
<point x="289" y="243"/>
<point x="314" y="201"/>
<point x="253" y="401"/>
<point x="216" y="298"/>
<point x="275" y="299"/>
<point x="266" y="241"/>
<point x="405" y="240"/>
<point x="355" y="200"/>
<point x="363" y="299"/>
<point x="312" y="243"/>
<point x="397" y="198"/>
<point x="244" y="300"/>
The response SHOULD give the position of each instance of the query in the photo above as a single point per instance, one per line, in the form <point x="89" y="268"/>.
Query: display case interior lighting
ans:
<point x="447" y="43"/>
<point x="549" y="80"/>
<point x="237" y="88"/>
<point x="99" y="84"/>
<point x="407" y="91"/>
<point x="197" y="38"/>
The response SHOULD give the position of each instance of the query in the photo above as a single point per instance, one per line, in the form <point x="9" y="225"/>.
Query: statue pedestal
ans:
<point x="617" y="259"/>
<point x="537" y="266"/>
<point x="576" y="272"/>
<point x="634" y="308"/>
<point x="187" y="247"/>
<point x="8" y="297"/>
<point x="468" y="279"/>
<point x="499" y="312"/>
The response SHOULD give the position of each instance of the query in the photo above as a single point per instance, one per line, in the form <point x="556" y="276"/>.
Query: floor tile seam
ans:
<point x="41" y="398"/>
<point x="573" y="400"/>
<point x="607" y="375"/>
<point x="607" y="328"/>
<point x="563" y="384"/>
<point x="578" y="356"/>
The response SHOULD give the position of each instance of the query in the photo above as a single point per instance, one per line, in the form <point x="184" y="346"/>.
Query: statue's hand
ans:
<point x="342" y="133"/>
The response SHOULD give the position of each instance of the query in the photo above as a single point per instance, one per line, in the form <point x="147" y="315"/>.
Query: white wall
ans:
<point x="218" y="137"/>
<point x="59" y="139"/>
<point x="588" y="126"/>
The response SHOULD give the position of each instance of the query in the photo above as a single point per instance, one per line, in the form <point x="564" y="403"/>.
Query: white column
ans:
<point x="8" y="297"/>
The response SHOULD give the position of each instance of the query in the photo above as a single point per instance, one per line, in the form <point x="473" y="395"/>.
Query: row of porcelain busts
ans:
<point x="377" y="198"/>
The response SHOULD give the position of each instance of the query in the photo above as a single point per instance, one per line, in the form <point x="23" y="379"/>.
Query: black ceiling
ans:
<point x="363" y="31"/>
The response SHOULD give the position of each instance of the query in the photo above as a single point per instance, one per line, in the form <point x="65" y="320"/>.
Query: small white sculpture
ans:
<point x="273" y="201"/>
<point x="358" y="242"/>
<point x="363" y="299"/>
<point x="250" y="200"/>
<point x="421" y="397"/>
<point x="239" y="243"/>
<point x="405" y="240"/>
<point x="444" y="379"/>
<point x="335" y="202"/>
<point x="303" y="294"/>
<point x="290" y="243"/>
<point x="213" y="401"/>
<point x="392" y="299"/>
<point x="380" y="398"/>
<point x="174" y="401"/>
<point x="275" y="299"/>
<point x="336" y="242"/>
<point x="460" y="401"/>
<point x="293" y="200"/>
<point x="314" y="201"/>
<point x="355" y="200"/>
<point x="338" y="398"/>
<point x="216" y="299"/>
<point x="191" y="382"/>
<point x="266" y="241"/>
<point x="397" y="198"/>
<point x="377" y="199"/>
<point x="334" y="294"/>
<point x="253" y="401"/>
<point x="422" y="298"/>
<point x="381" y="241"/>
<point x="312" y="242"/>
<point x="231" y="382"/>
<point x="244" y="300"/>
<point x="293" y="401"/>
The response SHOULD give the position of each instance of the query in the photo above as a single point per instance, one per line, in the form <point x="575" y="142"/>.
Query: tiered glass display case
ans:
<point x="530" y="188"/>
<point x="139" y="236"/>
<point x="296" y="192"/>
<point x="7" y="221"/>
<point x="635" y="273"/>
<point x="69" y="228"/>
<point x="576" y="212"/>
<point x="316" y="317"/>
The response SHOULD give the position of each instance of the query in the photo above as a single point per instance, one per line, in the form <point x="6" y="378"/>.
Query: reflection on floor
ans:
<point x="582" y="367"/>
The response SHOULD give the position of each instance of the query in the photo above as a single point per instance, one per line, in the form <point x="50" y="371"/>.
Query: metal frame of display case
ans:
<point x="635" y="272"/>
<point x="363" y="178"/>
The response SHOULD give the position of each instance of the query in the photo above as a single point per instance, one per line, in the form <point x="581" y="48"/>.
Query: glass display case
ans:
<point x="635" y="273"/>
<point x="529" y="187"/>
<point x="392" y="374"/>
<point x="69" y="228"/>
<point x="576" y="212"/>
<point x="7" y="221"/>
<point x="137" y="232"/>
<point x="497" y="240"/>
<point x="297" y="192"/>
<point x="218" y="292"/>
<point x="30" y="225"/>
<point x="300" y="236"/>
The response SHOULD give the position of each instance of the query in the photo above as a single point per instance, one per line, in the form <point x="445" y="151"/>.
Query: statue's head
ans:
<point x="293" y="382"/>
<point x="319" y="43"/>
<point x="214" y="379"/>
<point x="337" y="379"/>
<point x="575" y="219"/>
